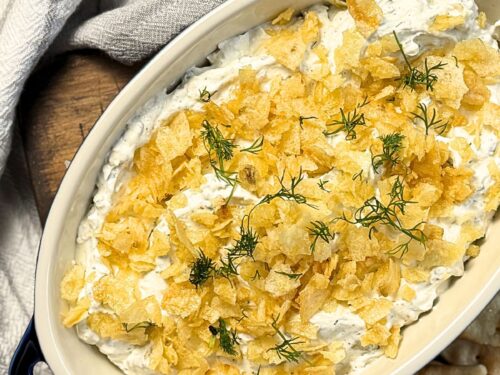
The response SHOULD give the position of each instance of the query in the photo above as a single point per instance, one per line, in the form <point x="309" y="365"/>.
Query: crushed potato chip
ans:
<point x="366" y="13"/>
<point x="72" y="283"/>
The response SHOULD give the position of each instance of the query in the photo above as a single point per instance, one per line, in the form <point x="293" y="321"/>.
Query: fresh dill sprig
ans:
<point x="243" y="247"/>
<point x="228" y="338"/>
<point x="228" y="268"/>
<point x="287" y="193"/>
<point x="246" y="244"/>
<point x="364" y="102"/>
<point x="348" y="122"/>
<point x="205" y="95"/>
<point x="201" y="269"/>
<point x="215" y="143"/>
<point x="391" y="144"/>
<point x="303" y="118"/>
<point x="320" y="230"/>
<point x="255" y="147"/>
<point x="322" y="184"/>
<point x="358" y="175"/>
<point x="374" y="212"/>
<point x="256" y="275"/>
<point x="415" y="76"/>
<point x="286" y="349"/>
<point x="230" y="178"/>
<point x="293" y="276"/>
<point x="430" y="121"/>
<point x="129" y="327"/>
<point x="243" y="316"/>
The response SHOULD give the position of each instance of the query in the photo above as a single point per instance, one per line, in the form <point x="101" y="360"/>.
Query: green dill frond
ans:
<point x="322" y="184"/>
<point x="286" y="349"/>
<point x="364" y="102"/>
<point x="293" y="276"/>
<point x="303" y="118"/>
<point x="246" y="244"/>
<point x="347" y="123"/>
<point x="416" y="77"/>
<point x="129" y="327"/>
<point x="287" y="193"/>
<point x="320" y="230"/>
<point x="392" y="143"/>
<point x="256" y="276"/>
<point x="228" y="338"/>
<point x="255" y="147"/>
<point x="228" y="268"/>
<point x="201" y="269"/>
<point x="430" y="121"/>
<point x="214" y="141"/>
<point x="243" y="247"/>
<point x="374" y="212"/>
<point x="358" y="175"/>
<point x="230" y="178"/>
<point x="205" y="95"/>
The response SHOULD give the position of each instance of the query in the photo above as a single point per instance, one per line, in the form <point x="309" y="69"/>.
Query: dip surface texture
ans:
<point x="291" y="207"/>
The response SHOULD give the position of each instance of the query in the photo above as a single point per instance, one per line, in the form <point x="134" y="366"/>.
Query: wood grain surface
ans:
<point x="60" y="104"/>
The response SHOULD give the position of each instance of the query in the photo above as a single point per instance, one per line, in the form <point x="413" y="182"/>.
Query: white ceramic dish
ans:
<point x="66" y="354"/>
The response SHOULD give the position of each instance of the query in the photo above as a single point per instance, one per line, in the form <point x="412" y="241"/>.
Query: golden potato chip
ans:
<point x="407" y="293"/>
<point x="284" y="17"/>
<point x="116" y="291"/>
<point x="387" y="278"/>
<point x="379" y="68"/>
<point x="450" y="86"/>
<point x="72" y="283"/>
<point x="297" y="327"/>
<point x="347" y="55"/>
<point x="493" y="194"/>
<point x="375" y="310"/>
<point x="335" y="353"/>
<point x="281" y="280"/>
<point x="376" y="335"/>
<point x="288" y="46"/>
<point x="224" y="289"/>
<point x="391" y="350"/>
<point x="313" y="296"/>
<point x="482" y="20"/>
<point x="478" y="93"/>
<point x="366" y="13"/>
<point x="482" y="58"/>
<point x="77" y="312"/>
<point x="145" y="310"/>
<point x="442" y="253"/>
<point x="446" y="22"/>
<point x="220" y="368"/>
<point x="294" y="240"/>
<point x="181" y="301"/>
<point x="174" y="139"/>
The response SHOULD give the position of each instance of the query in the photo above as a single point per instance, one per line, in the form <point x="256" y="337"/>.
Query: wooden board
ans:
<point x="60" y="104"/>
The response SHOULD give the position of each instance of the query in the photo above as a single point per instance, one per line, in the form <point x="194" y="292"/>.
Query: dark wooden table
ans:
<point x="60" y="104"/>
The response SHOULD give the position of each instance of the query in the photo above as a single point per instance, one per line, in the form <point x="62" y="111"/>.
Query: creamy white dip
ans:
<point x="411" y="20"/>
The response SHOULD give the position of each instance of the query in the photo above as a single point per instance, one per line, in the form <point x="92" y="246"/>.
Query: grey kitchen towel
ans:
<point x="127" y="30"/>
